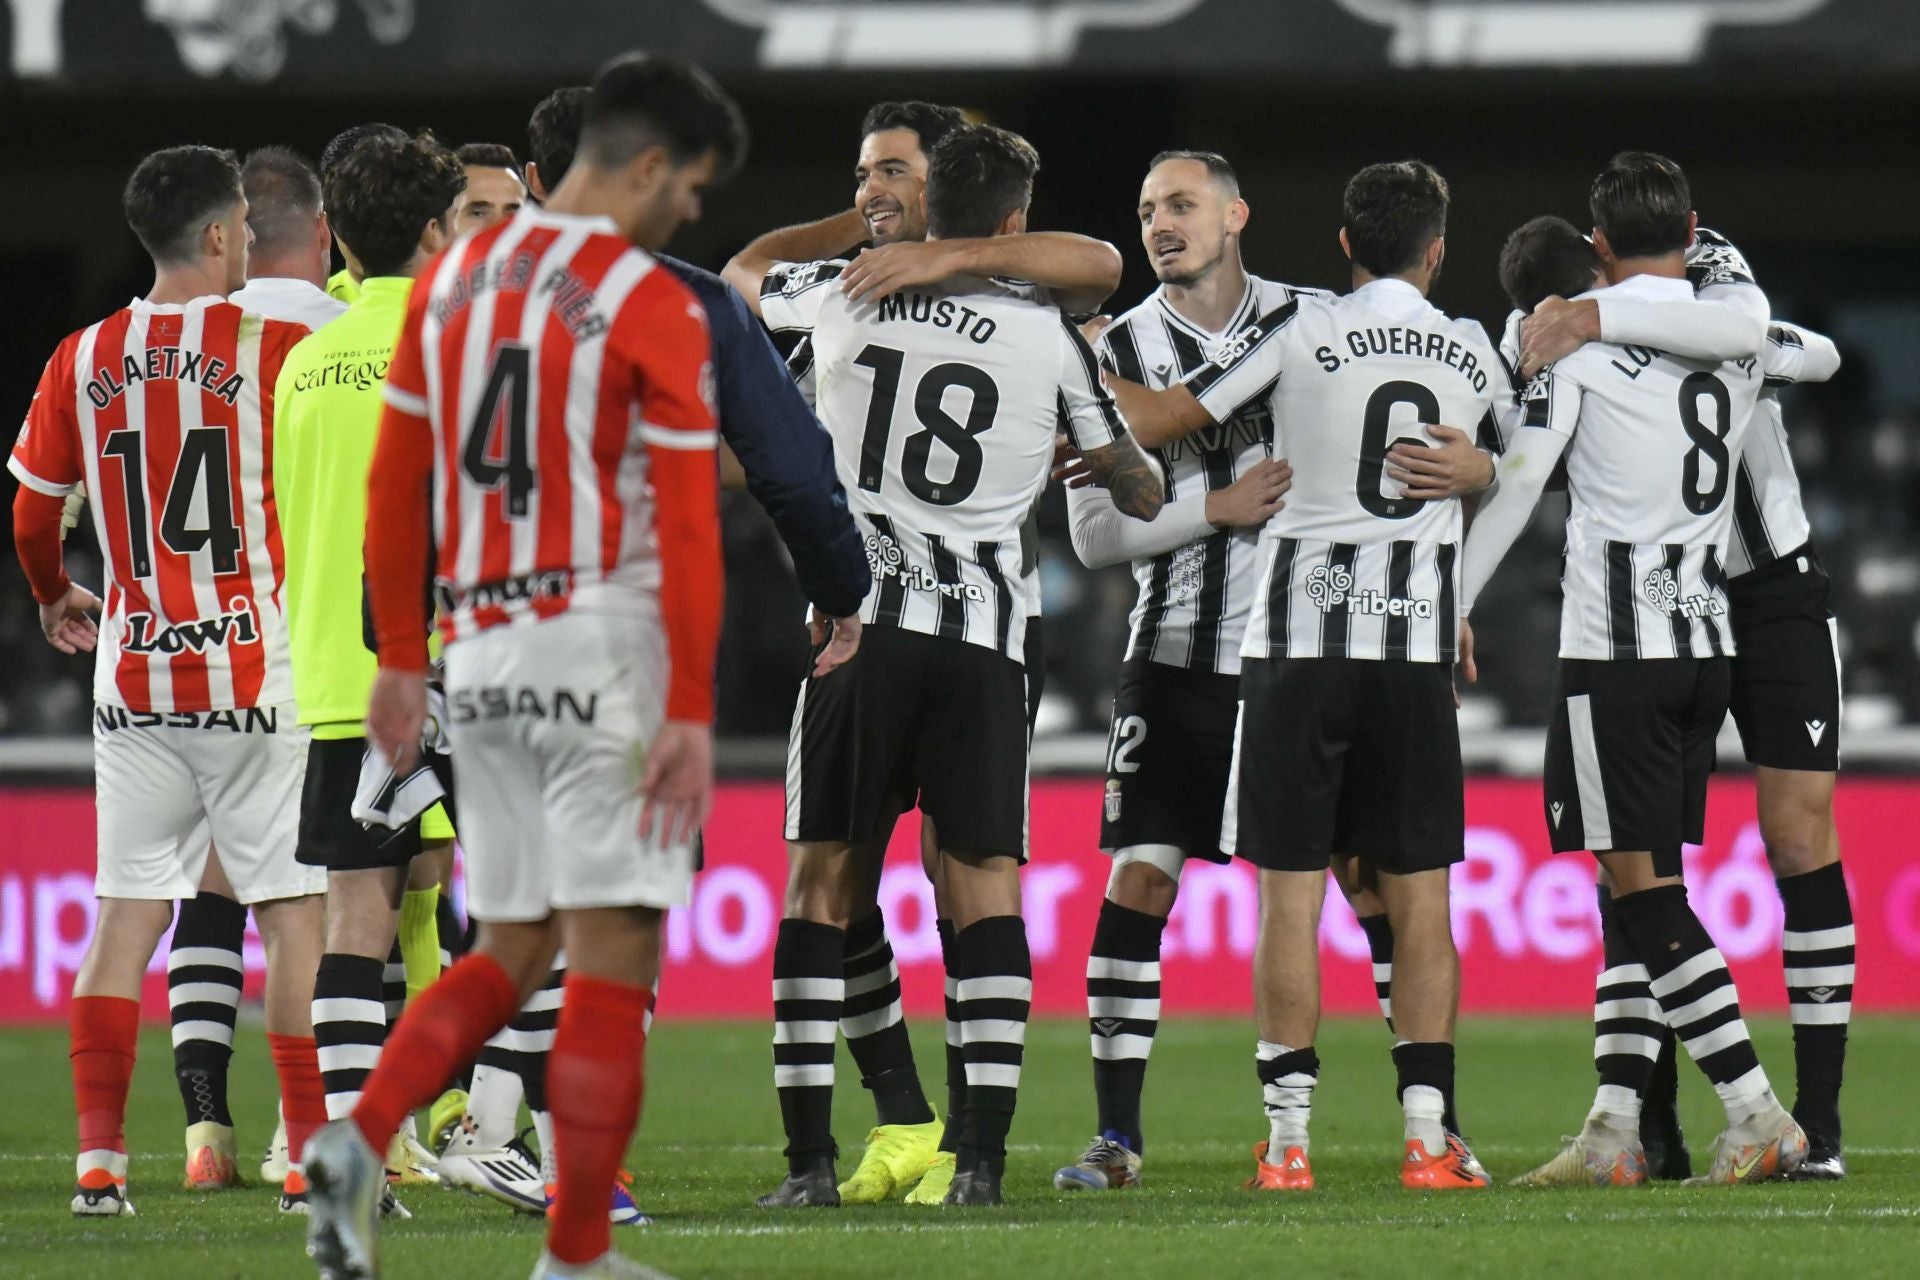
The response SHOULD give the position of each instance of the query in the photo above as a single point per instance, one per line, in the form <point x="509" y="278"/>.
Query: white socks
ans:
<point x="1423" y="1107"/>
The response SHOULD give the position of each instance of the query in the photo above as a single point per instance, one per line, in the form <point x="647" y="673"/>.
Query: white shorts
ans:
<point x="550" y="723"/>
<point x="165" y="783"/>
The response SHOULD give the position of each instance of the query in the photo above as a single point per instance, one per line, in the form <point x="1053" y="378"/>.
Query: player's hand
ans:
<point x="1556" y="329"/>
<point x="1093" y="328"/>
<point x="841" y="636"/>
<point x="1454" y="467"/>
<point x="66" y="622"/>
<point x="1251" y="500"/>
<point x="397" y="714"/>
<point x="677" y="786"/>
<point x="884" y="271"/>
<point x="1069" y="468"/>
<point x="1467" y="666"/>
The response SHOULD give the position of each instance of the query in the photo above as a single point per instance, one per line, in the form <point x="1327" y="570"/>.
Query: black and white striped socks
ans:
<point x="513" y="1065"/>
<point x="205" y="970"/>
<point x="1627" y="1023"/>
<point x="349" y="1026"/>
<point x="1379" y="931"/>
<point x="876" y="1033"/>
<point x="808" y="990"/>
<point x="1123" y="1013"/>
<point x="994" y="997"/>
<point x="1818" y="952"/>
<point x="956" y="1051"/>
<point x="1689" y="977"/>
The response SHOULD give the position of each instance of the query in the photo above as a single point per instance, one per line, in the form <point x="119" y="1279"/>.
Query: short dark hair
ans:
<point x="283" y="198"/>
<point x="553" y="131"/>
<point x="641" y="100"/>
<point x="174" y="193"/>
<point x="1641" y="200"/>
<point x="1545" y="257"/>
<point x="930" y="121"/>
<point x="384" y="191"/>
<point x="492" y="155"/>
<point x="1216" y="165"/>
<point x="975" y="178"/>
<point x="1393" y="212"/>
<point x="344" y="141"/>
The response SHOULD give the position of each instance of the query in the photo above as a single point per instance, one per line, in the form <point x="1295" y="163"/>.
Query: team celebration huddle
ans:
<point x="429" y="549"/>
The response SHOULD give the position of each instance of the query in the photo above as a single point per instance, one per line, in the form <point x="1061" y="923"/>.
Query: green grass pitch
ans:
<point x="710" y="1141"/>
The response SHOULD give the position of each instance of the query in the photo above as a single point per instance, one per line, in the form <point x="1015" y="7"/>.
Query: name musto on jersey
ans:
<point x="1194" y="601"/>
<point x="943" y="402"/>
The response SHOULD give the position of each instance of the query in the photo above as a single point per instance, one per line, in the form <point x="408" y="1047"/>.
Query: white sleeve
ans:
<point x="1504" y="513"/>
<point x="1723" y="322"/>
<point x="791" y="293"/>
<point x="1087" y="413"/>
<point x="1794" y="354"/>
<point x="1103" y="535"/>
<point x="1246" y="366"/>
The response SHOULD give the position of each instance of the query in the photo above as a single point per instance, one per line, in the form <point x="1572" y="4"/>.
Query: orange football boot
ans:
<point x="1293" y="1173"/>
<point x="1453" y="1169"/>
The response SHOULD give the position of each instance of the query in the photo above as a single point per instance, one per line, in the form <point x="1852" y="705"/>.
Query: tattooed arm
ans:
<point x="1123" y="469"/>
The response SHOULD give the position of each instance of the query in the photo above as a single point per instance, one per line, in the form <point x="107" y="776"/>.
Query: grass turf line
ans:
<point x="710" y="1141"/>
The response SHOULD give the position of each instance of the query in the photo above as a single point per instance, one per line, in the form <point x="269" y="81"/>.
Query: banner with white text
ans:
<point x="1524" y="919"/>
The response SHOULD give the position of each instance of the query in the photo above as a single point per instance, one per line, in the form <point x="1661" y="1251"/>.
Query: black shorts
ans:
<point x="329" y="835"/>
<point x="1169" y="755"/>
<point x="1346" y="756"/>
<point x="1786" y="664"/>
<point x="1629" y="752"/>
<point x="912" y="717"/>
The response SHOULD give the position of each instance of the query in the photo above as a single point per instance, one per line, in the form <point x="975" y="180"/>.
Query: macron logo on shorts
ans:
<point x="1556" y="809"/>
<point x="1816" y="729"/>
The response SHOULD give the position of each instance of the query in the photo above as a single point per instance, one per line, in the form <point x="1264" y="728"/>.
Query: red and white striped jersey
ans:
<point x="556" y="366"/>
<point x="166" y="412"/>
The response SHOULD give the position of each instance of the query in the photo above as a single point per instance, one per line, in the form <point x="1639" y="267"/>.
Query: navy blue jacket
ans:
<point x="782" y="447"/>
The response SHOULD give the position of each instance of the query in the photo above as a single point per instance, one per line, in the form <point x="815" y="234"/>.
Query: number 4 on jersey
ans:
<point x="496" y="453"/>
<point x="204" y="465"/>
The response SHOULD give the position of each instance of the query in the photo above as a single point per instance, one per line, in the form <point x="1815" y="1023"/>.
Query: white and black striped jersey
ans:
<point x="1653" y="439"/>
<point x="800" y="369"/>
<point x="1195" y="600"/>
<point x="943" y="403"/>
<point x="1350" y="567"/>
<point x="1769" y="517"/>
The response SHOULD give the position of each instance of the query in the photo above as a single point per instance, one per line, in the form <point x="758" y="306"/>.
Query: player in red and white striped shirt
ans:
<point x="165" y="411"/>
<point x="550" y="392"/>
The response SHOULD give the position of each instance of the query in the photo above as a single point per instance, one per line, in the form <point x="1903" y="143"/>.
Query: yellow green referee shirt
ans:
<point x="342" y="285"/>
<point x="326" y="419"/>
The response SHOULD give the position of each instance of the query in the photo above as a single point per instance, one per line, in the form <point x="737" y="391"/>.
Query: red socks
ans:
<point x="303" y="1100"/>
<point x="104" y="1035"/>
<point x="439" y="1033"/>
<point x="594" y="1082"/>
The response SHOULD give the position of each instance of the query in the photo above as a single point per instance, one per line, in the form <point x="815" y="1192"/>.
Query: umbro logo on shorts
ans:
<point x="1816" y="729"/>
<point x="1556" y="809"/>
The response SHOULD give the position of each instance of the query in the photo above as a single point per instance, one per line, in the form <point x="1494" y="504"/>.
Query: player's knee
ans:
<point x="1798" y="843"/>
<point x="819" y="890"/>
<point x="1145" y="879"/>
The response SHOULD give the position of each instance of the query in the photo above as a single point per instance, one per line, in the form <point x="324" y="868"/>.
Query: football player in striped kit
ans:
<point x="1786" y="672"/>
<point x="165" y="410"/>
<point x="908" y="1150"/>
<point x="1645" y="652"/>
<point x="942" y="401"/>
<point x="1346" y="741"/>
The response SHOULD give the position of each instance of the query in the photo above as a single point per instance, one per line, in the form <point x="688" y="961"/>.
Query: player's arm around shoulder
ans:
<point x="802" y="243"/>
<point x="1113" y="458"/>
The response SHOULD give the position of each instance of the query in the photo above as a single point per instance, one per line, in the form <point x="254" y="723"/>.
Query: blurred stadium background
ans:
<point x="1796" y="120"/>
